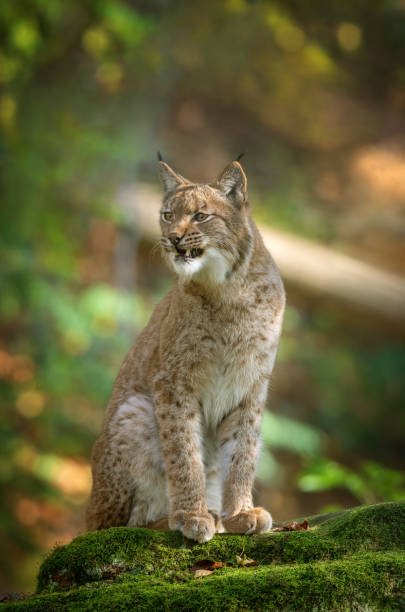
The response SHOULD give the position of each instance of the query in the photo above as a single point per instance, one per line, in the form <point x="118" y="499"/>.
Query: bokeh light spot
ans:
<point x="349" y="36"/>
<point x="28" y="511"/>
<point x="30" y="403"/>
<point x="317" y="60"/>
<point x="23" y="368"/>
<point x="236" y="6"/>
<point x="290" y="38"/>
<point x="25" y="36"/>
<point x="73" y="478"/>
<point x="95" y="41"/>
<point x="381" y="170"/>
<point x="75" y="342"/>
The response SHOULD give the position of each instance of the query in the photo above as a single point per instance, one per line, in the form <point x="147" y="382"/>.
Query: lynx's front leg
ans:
<point x="239" y="437"/>
<point x="178" y="417"/>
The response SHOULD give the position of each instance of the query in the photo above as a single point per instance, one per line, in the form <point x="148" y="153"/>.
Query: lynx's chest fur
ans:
<point x="244" y="352"/>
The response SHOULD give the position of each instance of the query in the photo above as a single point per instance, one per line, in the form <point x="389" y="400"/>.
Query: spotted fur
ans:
<point x="181" y="436"/>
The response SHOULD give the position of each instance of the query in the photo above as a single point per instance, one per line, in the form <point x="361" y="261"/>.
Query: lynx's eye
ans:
<point x="201" y="217"/>
<point x="167" y="216"/>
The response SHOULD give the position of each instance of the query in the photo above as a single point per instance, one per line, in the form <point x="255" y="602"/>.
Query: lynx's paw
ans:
<point x="193" y="526"/>
<point x="256" y="520"/>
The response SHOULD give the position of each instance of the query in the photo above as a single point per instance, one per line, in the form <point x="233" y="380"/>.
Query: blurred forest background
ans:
<point x="89" y="90"/>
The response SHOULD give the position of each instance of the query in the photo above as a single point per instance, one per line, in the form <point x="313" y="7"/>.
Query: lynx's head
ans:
<point x="206" y="232"/>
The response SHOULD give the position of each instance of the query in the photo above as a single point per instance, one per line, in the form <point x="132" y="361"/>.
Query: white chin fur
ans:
<point x="212" y="266"/>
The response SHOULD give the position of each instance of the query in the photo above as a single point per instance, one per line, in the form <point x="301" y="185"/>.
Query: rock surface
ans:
<point x="352" y="560"/>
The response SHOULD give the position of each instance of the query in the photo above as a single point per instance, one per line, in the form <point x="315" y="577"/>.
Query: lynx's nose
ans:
<point x="175" y="238"/>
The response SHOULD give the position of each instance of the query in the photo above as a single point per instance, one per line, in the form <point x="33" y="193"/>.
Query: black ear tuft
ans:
<point x="159" y="156"/>
<point x="240" y="156"/>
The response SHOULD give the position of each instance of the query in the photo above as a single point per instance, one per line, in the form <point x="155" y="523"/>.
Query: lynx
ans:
<point x="181" y="435"/>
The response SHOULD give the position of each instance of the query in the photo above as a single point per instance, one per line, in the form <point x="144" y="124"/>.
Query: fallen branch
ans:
<point x="303" y="263"/>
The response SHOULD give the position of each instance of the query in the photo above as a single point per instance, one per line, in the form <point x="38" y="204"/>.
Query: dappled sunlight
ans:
<point x="70" y="476"/>
<point x="380" y="170"/>
<point x="73" y="478"/>
<point x="313" y="93"/>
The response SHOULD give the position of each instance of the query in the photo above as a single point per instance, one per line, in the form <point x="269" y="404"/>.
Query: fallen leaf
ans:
<point x="244" y="561"/>
<point x="217" y="565"/>
<point x="293" y="526"/>
<point x="203" y="564"/>
<point x="249" y="562"/>
<point x="206" y="565"/>
<point x="200" y="573"/>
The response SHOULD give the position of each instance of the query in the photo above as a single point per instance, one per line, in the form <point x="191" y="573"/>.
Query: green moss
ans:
<point x="353" y="560"/>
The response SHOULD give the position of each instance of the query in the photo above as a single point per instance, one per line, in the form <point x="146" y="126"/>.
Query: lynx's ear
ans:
<point x="232" y="181"/>
<point x="169" y="179"/>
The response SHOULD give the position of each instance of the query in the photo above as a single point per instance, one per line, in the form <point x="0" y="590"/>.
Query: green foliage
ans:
<point x="349" y="378"/>
<point x="343" y="371"/>
<point x="279" y="431"/>
<point x="371" y="483"/>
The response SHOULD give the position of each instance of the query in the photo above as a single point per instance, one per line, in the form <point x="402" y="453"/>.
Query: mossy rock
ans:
<point x="353" y="560"/>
